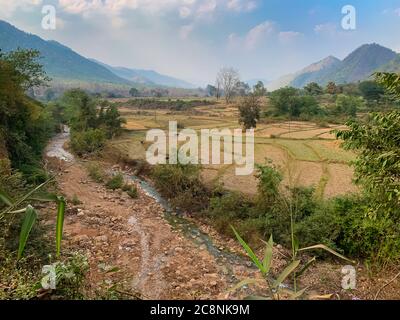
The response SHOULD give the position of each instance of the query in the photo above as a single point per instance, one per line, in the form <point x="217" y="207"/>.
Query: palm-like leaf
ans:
<point x="27" y="224"/>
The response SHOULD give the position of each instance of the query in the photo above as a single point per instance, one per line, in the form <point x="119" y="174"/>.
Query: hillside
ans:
<point x="59" y="61"/>
<point x="357" y="66"/>
<point x="147" y="77"/>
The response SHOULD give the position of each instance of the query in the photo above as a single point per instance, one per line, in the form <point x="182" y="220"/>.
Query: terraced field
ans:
<point x="307" y="154"/>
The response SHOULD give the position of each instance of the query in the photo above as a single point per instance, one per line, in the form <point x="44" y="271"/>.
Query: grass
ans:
<point x="304" y="144"/>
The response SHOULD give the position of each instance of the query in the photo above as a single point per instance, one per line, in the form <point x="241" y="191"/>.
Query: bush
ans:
<point x="182" y="185"/>
<point x="227" y="209"/>
<point x="88" y="142"/>
<point x="96" y="172"/>
<point x="131" y="190"/>
<point x="116" y="182"/>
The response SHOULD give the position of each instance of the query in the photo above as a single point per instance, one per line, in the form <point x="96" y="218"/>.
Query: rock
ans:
<point x="213" y="283"/>
<point x="102" y="238"/>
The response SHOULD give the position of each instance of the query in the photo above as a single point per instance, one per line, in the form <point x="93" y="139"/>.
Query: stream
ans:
<point x="191" y="231"/>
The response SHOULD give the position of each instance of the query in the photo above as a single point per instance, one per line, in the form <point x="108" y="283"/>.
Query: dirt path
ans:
<point x="131" y="238"/>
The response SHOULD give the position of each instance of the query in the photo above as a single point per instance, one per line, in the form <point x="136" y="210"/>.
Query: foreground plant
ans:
<point x="20" y="206"/>
<point x="276" y="288"/>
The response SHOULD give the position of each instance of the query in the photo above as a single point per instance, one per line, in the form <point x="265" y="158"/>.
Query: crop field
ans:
<point x="306" y="154"/>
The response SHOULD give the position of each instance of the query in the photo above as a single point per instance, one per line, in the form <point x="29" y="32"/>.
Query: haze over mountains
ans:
<point x="357" y="66"/>
<point x="63" y="64"/>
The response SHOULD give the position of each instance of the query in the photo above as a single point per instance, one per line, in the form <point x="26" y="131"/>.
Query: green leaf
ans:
<point x="44" y="197"/>
<point x="306" y="266"/>
<point x="268" y="254"/>
<point x="27" y="224"/>
<point x="250" y="252"/>
<point x="60" y="223"/>
<point x="5" y="198"/>
<point x="324" y="247"/>
<point x="285" y="273"/>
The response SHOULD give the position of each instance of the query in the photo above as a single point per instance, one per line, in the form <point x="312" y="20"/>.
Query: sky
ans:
<point x="193" y="39"/>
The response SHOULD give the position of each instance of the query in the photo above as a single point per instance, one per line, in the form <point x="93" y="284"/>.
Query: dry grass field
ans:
<point x="307" y="154"/>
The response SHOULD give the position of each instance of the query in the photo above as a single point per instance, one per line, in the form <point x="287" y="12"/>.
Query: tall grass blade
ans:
<point x="250" y="252"/>
<point x="5" y="198"/>
<point x="268" y="254"/>
<point x="285" y="273"/>
<point x="60" y="223"/>
<point x="324" y="247"/>
<point x="27" y="224"/>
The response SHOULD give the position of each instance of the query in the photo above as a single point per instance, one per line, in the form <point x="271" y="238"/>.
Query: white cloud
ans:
<point x="185" y="31"/>
<point x="9" y="7"/>
<point x="325" y="29"/>
<point x="207" y="7"/>
<point x="289" y="36"/>
<point x="241" y="5"/>
<point x="184" y="12"/>
<point x="259" y="33"/>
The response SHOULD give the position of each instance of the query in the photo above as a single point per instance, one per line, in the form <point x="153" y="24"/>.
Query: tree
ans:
<point x="371" y="91"/>
<point x="211" y="91"/>
<point x="249" y="111"/>
<point x="134" y="92"/>
<point x="284" y="99"/>
<point x="228" y="79"/>
<point x="332" y="88"/>
<point x="377" y="144"/>
<point x="25" y="124"/>
<point x="348" y="105"/>
<point x="259" y="89"/>
<point x="313" y="89"/>
<point x="242" y="89"/>
<point x="28" y="72"/>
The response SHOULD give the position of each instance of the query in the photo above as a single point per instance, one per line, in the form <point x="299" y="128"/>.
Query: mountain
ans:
<point x="316" y="72"/>
<point x="148" y="77"/>
<point x="59" y="61"/>
<point x="64" y="65"/>
<point x="392" y="66"/>
<point x="357" y="66"/>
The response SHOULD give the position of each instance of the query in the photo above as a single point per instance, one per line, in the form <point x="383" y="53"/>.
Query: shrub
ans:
<point x="182" y="185"/>
<point x="88" y="142"/>
<point x="131" y="190"/>
<point x="116" y="182"/>
<point x="228" y="209"/>
<point x="96" y="172"/>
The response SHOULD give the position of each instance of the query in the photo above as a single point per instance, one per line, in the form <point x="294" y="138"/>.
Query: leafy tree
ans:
<point x="242" y="89"/>
<point x="134" y="92"/>
<point x="27" y="71"/>
<point x="211" y="91"/>
<point x="249" y="111"/>
<point x="332" y="88"/>
<point x="348" y="105"/>
<point x="283" y="99"/>
<point x="371" y="91"/>
<point x="259" y="89"/>
<point x="377" y="143"/>
<point x="25" y="124"/>
<point x="313" y="89"/>
<point x="80" y="110"/>
<point x="113" y="122"/>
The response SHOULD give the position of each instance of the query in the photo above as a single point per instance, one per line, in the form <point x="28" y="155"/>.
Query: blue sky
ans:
<point x="192" y="39"/>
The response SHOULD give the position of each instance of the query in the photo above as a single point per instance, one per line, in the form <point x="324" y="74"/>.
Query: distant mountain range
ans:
<point x="64" y="65"/>
<point x="147" y="77"/>
<point x="357" y="66"/>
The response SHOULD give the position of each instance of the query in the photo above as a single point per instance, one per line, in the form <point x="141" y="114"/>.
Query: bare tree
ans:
<point x="228" y="78"/>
